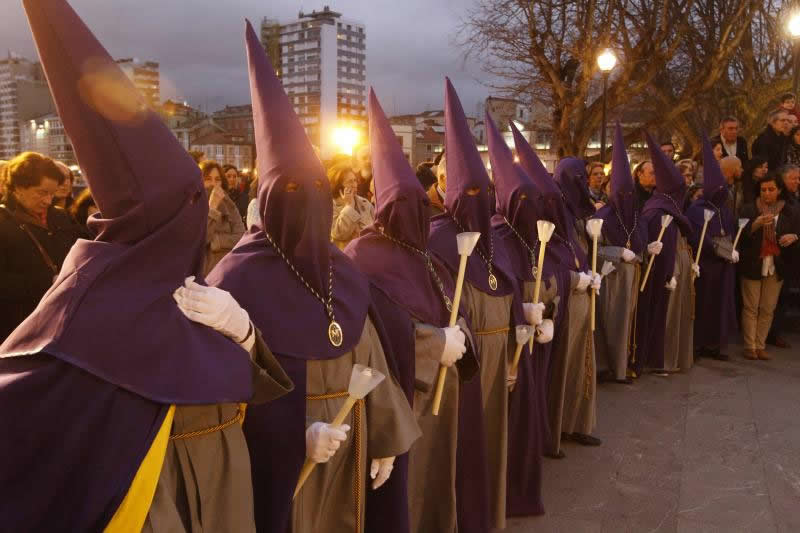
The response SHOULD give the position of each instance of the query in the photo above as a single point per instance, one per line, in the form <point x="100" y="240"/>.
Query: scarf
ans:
<point x="769" y="241"/>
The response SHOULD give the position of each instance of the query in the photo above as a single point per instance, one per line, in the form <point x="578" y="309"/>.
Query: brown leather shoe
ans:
<point x="751" y="355"/>
<point x="764" y="356"/>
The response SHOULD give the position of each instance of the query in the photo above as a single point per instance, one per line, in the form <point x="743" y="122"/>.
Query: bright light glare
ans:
<point x="607" y="60"/>
<point x="345" y="139"/>
<point x="793" y="25"/>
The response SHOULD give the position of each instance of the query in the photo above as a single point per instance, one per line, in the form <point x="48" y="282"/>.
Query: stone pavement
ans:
<point x="717" y="449"/>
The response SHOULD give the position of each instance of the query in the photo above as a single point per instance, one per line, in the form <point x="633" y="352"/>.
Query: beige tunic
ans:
<point x="491" y="320"/>
<point x="383" y="425"/>
<point x="615" y="327"/>
<point x="571" y="394"/>
<point x="432" y="460"/>
<point x="205" y="482"/>
<point x="679" y="340"/>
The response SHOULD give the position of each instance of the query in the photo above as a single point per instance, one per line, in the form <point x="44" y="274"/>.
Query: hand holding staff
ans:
<point x="545" y="231"/>
<point x="594" y="226"/>
<point x="362" y="381"/>
<point x="708" y="214"/>
<point x="466" y="243"/>
<point x="666" y="220"/>
<point x="524" y="334"/>
<point x="742" y="223"/>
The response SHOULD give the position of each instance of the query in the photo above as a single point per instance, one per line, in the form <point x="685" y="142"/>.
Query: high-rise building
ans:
<point x="145" y="76"/>
<point x="24" y="94"/>
<point x="323" y="69"/>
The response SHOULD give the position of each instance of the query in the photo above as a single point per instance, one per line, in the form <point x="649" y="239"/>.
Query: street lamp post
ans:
<point x="793" y="27"/>
<point x="606" y="61"/>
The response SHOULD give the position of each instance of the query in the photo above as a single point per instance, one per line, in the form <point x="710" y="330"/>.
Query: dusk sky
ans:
<point x="199" y="44"/>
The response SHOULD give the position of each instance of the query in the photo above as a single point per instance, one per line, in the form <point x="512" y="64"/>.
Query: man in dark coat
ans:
<point x="771" y="144"/>
<point x="35" y="237"/>
<point x="732" y="142"/>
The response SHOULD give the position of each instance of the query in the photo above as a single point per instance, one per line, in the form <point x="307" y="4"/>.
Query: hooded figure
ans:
<point x="314" y="309"/>
<point x="654" y="350"/>
<point x="394" y="256"/>
<point x="622" y="242"/>
<point x="515" y="226"/>
<point x="571" y="390"/>
<point x="107" y="355"/>
<point x="715" y="306"/>
<point x="570" y="176"/>
<point x="491" y="294"/>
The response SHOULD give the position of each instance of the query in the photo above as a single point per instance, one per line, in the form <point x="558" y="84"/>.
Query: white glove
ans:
<point x="454" y="345"/>
<point x="322" y="440"/>
<point x="214" y="308"/>
<point x="654" y="248"/>
<point x="533" y="313"/>
<point x="544" y="331"/>
<point x="628" y="255"/>
<point x="671" y="284"/>
<point x="583" y="281"/>
<point x="597" y="281"/>
<point x="735" y="257"/>
<point x="696" y="270"/>
<point x="380" y="470"/>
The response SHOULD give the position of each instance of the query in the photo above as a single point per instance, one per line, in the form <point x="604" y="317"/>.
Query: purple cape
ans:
<point x="295" y="208"/>
<point x="715" y="289"/>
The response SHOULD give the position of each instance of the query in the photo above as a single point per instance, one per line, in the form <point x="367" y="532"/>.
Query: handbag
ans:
<point x="723" y="247"/>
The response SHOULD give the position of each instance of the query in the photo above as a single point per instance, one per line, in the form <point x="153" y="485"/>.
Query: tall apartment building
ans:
<point x="323" y="69"/>
<point x="145" y="76"/>
<point x="24" y="94"/>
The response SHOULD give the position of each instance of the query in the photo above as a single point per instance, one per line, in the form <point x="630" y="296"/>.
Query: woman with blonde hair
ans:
<point x="351" y="212"/>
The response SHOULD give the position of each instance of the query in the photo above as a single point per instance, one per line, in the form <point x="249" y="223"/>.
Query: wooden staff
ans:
<point x="524" y="334"/>
<point x="362" y="381"/>
<point x="545" y="231"/>
<point x="466" y="243"/>
<point x="742" y="223"/>
<point x="594" y="226"/>
<point x="708" y="214"/>
<point x="666" y="220"/>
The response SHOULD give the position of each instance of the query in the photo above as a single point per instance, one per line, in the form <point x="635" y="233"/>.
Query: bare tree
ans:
<point x="670" y="54"/>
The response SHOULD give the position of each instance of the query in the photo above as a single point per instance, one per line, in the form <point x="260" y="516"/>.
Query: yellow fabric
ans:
<point x="132" y="512"/>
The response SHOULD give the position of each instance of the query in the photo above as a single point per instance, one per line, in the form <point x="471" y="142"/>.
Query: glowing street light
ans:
<point x="793" y="28"/>
<point x="793" y="25"/>
<point x="606" y="62"/>
<point x="345" y="139"/>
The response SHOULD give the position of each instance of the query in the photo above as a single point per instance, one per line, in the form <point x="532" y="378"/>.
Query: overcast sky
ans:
<point x="200" y="45"/>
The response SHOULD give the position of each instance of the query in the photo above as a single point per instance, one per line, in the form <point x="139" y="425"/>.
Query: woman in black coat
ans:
<point x="767" y="239"/>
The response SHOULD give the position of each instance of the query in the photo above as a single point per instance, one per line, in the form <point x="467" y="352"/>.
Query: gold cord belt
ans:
<point x="238" y="417"/>
<point x="493" y="331"/>
<point x="358" y="486"/>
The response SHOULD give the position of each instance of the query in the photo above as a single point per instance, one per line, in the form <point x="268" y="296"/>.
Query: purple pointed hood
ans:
<point x="550" y="205"/>
<point x="670" y="192"/>
<point x="402" y="213"/>
<point x="110" y="311"/>
<point x="715" y="187"/>
<point x="465" y="172"/>
<point x="294" y="202"/>
<point x="570" y="175"/>
<point x="468" y="204"/>
<point x="516" y="201"/>
<point x="620" y="219"/>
